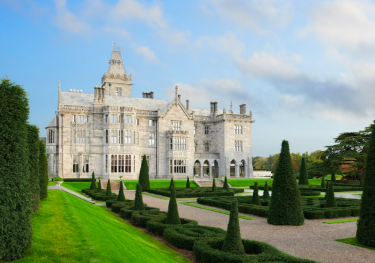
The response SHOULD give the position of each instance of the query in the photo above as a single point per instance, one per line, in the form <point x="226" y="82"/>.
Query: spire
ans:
<point x="231" y="107"/>
<point x="176" y="95"/>
<point x="116" y="66"/>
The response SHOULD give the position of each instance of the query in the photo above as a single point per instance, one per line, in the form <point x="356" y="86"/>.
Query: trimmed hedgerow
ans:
<point x="338" y="188"/>
<point x="140" y="218"/>
<point x="116" y="207"/>
<point x="43" y="170"/>
<point x="158" y="225"/>
<point x="196" y="192"/>
<point x="127" y="212"/>
<point x="310" y="193"/>
<point x="144" y="178"/>
<point x="78" y="180"/>
<point x="15" y="215"/>
<point x="184" y="236"/>
<point x="34" y="181"/>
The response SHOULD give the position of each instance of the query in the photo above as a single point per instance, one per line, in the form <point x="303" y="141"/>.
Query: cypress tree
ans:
<point x="138" y="202"/>
<point x="99" y="186"/>
<point x="171" y="184"/>
<point x="188" y="182"/>
<point x="109" y="189"/>
<point x="15" y="215"/>
<point x="255" y="199"/>
<point x="233" y="243"/>
<point x="93" y="182"/>
<point x="366" y="222"/>
<point x="330" y="197"/>
<point x="333" y="176"/>
<point x="285" y="207"/>
<point x="34" y="179"/>
<point x="172" y="215"/>
<point x="303" y="178"/>
<point x="144" y="178"/>
<point x="266" y="193"/>
<point x="226" y="186"/>
<point x="121" y="196"/>
<point x="322" y="185"/>
<point x="43" y="170"/>
<point x="213" y="185"/>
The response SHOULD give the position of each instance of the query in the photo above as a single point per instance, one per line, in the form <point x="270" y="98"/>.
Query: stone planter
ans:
<point x="58" y="183"/>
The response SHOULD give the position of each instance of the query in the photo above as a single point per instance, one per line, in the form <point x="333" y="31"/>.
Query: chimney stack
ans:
<point x="243" y="108"/>
<point x="187" y="104"/>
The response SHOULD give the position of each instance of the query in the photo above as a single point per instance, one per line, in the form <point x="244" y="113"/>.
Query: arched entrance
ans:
<point x="242" y="169"/>
<point x="206" y="169"/>
<point x="215" y="169"/>
<point x="197" y="168"/>
<point x="232" y="168"/>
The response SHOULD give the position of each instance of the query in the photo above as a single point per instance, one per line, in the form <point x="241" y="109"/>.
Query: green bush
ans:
<point x="226" y="186"/>
<point x="255" y="198"/>
<point x="322" y="185"/>
<point x="127" y="212"/>
<point x="93" y="182"/>
<point x="232" y="242"/>
<point x="34" y="181"/>
<point x="187" y="182"/>
<point x="173" y="217"/>
<point x="309" y="193"/>
<point x="138" y="201"/>
<point x="144" y="178"/>
<point x="266" y="193"/>
<point x="108" y="192"/>
<point x="158" y="225"/>
<point x="121" y="195"/>
<point x="116" y="207"/>
<point x="57" y="179"/>
<point x="99" y="186"/>
<point x="171" y="184"/>
<point x="285" y="207"/>
<point x="140" y="218"/>
<point x="303" y="178"/>
<point x="15" y="215"/>
<point x="110" y="202"/>
<point x="43" y="170"/>
<point x="184" y="236"/>
<point x="330" y="197"/>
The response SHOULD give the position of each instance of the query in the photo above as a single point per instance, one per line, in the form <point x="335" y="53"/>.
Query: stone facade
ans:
<point x="109" y="131"/>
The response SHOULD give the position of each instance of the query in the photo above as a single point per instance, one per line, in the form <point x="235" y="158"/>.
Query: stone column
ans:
<point x="237" y="171"/>
<point x="201" y="171"/>
<point x="96" y="94"/>
<point x="210" y="169"/>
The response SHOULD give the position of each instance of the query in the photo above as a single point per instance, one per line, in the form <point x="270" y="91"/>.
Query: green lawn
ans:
<point x="131" y="184"/>
<point x="341" y="221"/>
<point x="77" y="186"/>
<point x="353" y="241"/>
<point x="246" y="182"/>
<point x="68" y="229"/>
<point x="51" y="183"/>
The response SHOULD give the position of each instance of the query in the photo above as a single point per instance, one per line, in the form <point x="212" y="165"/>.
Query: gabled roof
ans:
<point x="53" y="122"/>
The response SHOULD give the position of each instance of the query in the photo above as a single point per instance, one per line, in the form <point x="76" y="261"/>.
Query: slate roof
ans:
<point x="204" y="112"/>
<point x="53" y="122"/>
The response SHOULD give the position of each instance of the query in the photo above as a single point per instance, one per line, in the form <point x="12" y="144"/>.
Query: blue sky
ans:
<point x="305" y="68"/>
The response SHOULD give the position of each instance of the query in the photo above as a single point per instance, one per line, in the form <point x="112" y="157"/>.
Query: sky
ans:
<point x="306" y="69"/>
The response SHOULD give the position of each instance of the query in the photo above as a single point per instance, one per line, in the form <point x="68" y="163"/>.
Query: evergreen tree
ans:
<point x="255" y="199"/>
<point x="322" y="185"/>
<point x="330" y="197"/>
<point x="366" y="222"/>
<point x="99" y="186"/>
<point x="15" y="215"/>
<point x="171" y="184"/>
<point x="233" y="242"/>
<point x="188" y="182"/>
<point x="138" y="201"/>
<point x="285" y="207"/>
<point x="172" y="215"/>
<point x="109" y="189"/>
<point x="303" y="178"/>
<point x="121" y="196"/>
<point x="43" y="170"/>
<point x="333" y="176"/>
<point x="266" y="193"/>
<point x="34" y="179"/>
<point x="327" y="184"/>
<point x="213" y="185"/>
<point x="93" y="182"/>
<point x="144" y="178"/>
<point x="226" y="186"/>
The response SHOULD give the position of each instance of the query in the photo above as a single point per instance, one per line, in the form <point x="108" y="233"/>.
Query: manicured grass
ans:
<point x="341" y="221"/>
<point x="248" y="181"/>
<point x="68" y="229"/>
<point x="51" y="183"/>
<point x="353" y="241"/>
<point x="77" y="186"/>
<point x="193" y="204"/>
<point x="131" y="184"/>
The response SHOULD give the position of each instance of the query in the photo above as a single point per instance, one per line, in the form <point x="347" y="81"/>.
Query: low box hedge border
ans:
<point x="309" y="193"/>
<point x="116" y="207"/>
<point x="338" y="188"/>
<point x="158" y="225"/>
<point x="126" y="212"/>
<point x="196" y="192"/>
<point x="140" y="218"/>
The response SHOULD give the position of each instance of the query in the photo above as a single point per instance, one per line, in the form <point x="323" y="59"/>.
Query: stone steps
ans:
<point x="115" y="186"/>
<point x="208" y="183"/>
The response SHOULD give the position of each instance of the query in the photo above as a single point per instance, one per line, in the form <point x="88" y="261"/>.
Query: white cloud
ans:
<point x="228" y="43"/>
<point x="146" y="53"/>
<point x="68" y="21"/>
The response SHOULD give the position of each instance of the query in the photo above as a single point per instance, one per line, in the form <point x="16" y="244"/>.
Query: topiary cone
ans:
<point x="303" y="178"/>
<point x="172" y="216"/>
<point x="285" y="207"/>
<point x="255" y="199"/>
<point x="93" y="182"/>
<point x="171" y="184"/>
<point x="138" y="201"/>
<point x="213" y="185"/>
<point x="233" y="242"/>
<point x="266" y="193"/>
<point x="99" y="186"/>
<point x="109" y="190"/>
<point x="366" y="222"/>
<point x="121" y="196"/>
<point x="226" y="186"/>
<point x="144" y="178"/>
<point x="322" y="185"/>
<point x="330" y="197"/>
<point x="187" y="182"/>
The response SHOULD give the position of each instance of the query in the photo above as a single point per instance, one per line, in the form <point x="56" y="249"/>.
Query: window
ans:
<point x="128" y="163"/>
<point x="106" y="118"/>
<point x="51" y="136"/>
<point x="128" y="137"/>
<point x="170" y="143"/>
<point x="74" y="118"/>
<point x="151" y="138"/>
<point x="118" y="91"/>
<point x="128" y="119"/>
<point x="121" y="137"/>
<point x="179" y="143"/>
<point x="177" y="166"/>
<point x="113" y="163"/>
<point x="88" y="119"/>
<point x="86" y="160"/>
<point x="206" y="146"/>
<point x="106" y="163"/>
<point x="176" y="125"/>
<point x="113" y="136"/>
<point x="121" y="163"/>
<point x="237" y="129"/>
<point x="137" y="121"/>
<point x="206" y="129"/>
<point x="114" y="118"/>
<point x="137" y="138"/>
<point x="106" y="136"/>
<point x="81" y="118"/>
<point x="75" y="164"/>
<point x="238" y="146"/>
<point x="81" y="136"/>
<point x="151" y="122"/>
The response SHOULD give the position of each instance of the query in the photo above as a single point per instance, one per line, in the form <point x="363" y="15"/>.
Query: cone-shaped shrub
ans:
<point x="121" y="196"/>
<point x="43" y="170"/>
<point x="322" y="185"/>
<point x="187" y="182"/>
<point x="226" y="186"/>
<point x="99" y="186"/>
<point x="333" y="177"/>
<point x="233" y="243"/>
<point x="109" y="190"/>
<point x="266" y="192"/>
<point x="330" y="197"/>
<point x="144" y="178"/>
<point x="255" y="199"/>
<point x="93" y="182"/>
<point x="303" y="179"/>
<point x="366" y="222"/>
<point x="214" y="185"/>
<point x="285" y="207"/>
<point x="327" y="184"/>
<point x="171" y="184"/>
<point x="138" y="201"/>
<point x="172" y="215"/>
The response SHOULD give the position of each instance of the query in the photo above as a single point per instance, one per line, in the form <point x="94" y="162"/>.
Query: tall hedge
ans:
<point x="171" y="184"/>
<point x="303" y="178"/>
<point x="34" y="179"/>
<point x="93" y="182"/>
<point x="266" y="192"/>
<point x="322" y="184"/>
<point x="109" y="189"/>
<point x="255" y="198"/>
<point x="226" y="186"/>
<point x="285" y="207"/>
<point x="43" y="170"/>
<point x="172" y="215"/>
<point x="144" y="178"/>
<point x="187" y="182"/>
<point x="121" y="195"/>
<point x="233" y="242"/>
<point x="366" y="223"/>
<point x="138" y="201"/>
<point x="214" y="185"/>
<point x="330" y="197"/>
<point x="15" y="215"/>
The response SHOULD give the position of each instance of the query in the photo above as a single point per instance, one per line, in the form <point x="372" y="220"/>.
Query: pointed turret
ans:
<point x="116" y="65"/>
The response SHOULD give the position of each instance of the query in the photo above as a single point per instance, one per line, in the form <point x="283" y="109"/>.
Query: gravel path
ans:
<point x="314" y="240"/>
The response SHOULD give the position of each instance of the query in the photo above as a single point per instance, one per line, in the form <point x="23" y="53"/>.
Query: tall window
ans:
<point x="176" y="125"/>
<point x="177" y="166"/>
<point x="128" y="119"/>
<point x="88" y="119"/>
<point x="206" y="146"/>
<point x="118" y="91"/>
<point x="121" y="137"/>
<point x="195" y="129"/>
<point x="170" y="143"/>
<point x="81" y="136"/>
<point x="128" y="163"/>
<point x="151" y="138"/>
<point x="75" y="164"/>
<point x="237" y="129"/>
<point x="128" y="137"/>
<point x="51" y="136"/>
<point x="81" y="118"/>
<point x="206" y="129"/>
<point x="106" y="136"/>
<point x="238" y="146"/>
<point x="114" y="118"/>
<point x="121" y="163"/>
<point x="179" y="143"/>
<point x="113" y="136"/>
<point x="137" y="138"/>
<point x="106" y="118"/>
<point x="74" y="118"/>
<point x="151" y="122"/>
<point x="86" y="162"/>
<point x="106" y="163"/>
<point x="113" y="163"/>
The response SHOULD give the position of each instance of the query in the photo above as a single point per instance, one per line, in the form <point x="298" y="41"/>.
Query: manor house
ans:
<point x="108" y="131"/>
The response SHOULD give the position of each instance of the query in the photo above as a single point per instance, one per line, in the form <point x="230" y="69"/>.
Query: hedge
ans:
<point x="77" y="180"/>
<point x="184" y="236"/>
<point x="158" y="225"/>
<point x="310" y="193"/>
<point x="116" y="207"/>
<point x="140" y="218"/>
<point x="195" y="192"/>
<point x="34" y="179"/>
<point x="210" y="252"/>
<point x="43" y="170"/>
<point x="127" y="212"/>
<point x="338" y="188"/>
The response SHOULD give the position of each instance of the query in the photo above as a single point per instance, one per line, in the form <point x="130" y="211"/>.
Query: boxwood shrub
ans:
<point x="309" y="192"/>
<point x="118" y="205"/>
<point x="140" y="218"/>
<point x="158" y="225"/>
<point x="126" y="212"/>
<point x="196" y="192"/>
<point x="338" y="188"/>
